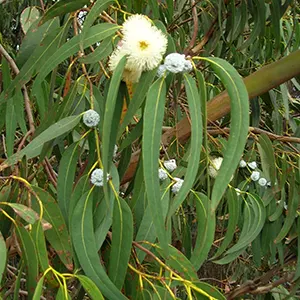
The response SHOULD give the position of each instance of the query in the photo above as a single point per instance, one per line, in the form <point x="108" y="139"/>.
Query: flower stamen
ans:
<point x="143" y="45"/>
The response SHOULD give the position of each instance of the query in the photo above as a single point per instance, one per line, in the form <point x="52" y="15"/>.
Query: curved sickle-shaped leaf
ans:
<point x="196" y="142"/>
<point x="109" y="113"/>
<point x="233" y="210"/>
<point x="86" y="250"/>
<point x="29" y="254"/>
<point x="154" y="112"/>
<point x="122" y="236"/>
<point x="206" y="230"/>
<point x="293" y="203"/>
<point x="238" y="128"/>
<point x="35" y="147"/>
<point x="258" y="212"/>
<point x="66" y="173"/>
<point x="61" y="8"/>
<point x="3" y="255"/>
<point x="254" y="219"/>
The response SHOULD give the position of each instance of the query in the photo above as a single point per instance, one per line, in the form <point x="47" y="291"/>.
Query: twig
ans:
<point x="25" y="92"/>
<point x="196" y="25"/>
<point x="255" y="130"/>
<point x="50" y="175"/>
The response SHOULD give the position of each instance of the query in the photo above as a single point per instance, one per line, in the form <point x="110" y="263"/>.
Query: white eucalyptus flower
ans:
<point x="162" y="174"/>
<point x="215" y="166"/>
<point x="262" y="181"/>
<point x="243" y="164"/>
<point x="144" y="46"/>
<point x="252" y="165"/>
<point x="97" y="177"/>
<point x="170" y="165"/>
<point x="177" y="185"/>
<point x="255" y="176"/>
<point x="91" y="118"/>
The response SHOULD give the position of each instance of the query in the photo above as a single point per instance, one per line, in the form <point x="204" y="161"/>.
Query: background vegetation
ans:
<point x="222" y="237"/>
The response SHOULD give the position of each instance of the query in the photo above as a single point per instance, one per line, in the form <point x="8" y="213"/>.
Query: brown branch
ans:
<point x="25" y="92"/>
<point x="196" y="25"/>
<point x="263" y="284"/>
<point x="255" y="130"/>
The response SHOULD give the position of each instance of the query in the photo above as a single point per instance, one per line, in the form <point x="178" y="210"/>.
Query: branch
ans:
<point x="255" y="130"/>
<point x="196" y="25"/>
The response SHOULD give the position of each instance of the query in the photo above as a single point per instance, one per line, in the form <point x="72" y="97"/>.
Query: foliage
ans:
<point x="222" y="233"/>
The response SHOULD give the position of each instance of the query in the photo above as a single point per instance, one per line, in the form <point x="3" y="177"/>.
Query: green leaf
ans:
<point x="109" y="115"/>
<point x="122" y="236"/>
<point x="28" y="16"/>
<point x="206" y="230"/>
<point x="29" y="254"/>
<point x="3" y="255"/>
<point x="259" y="216"/>
<point x="97" y="8"/>
<point x="58" y="235"/>
<point x="104" y="211"/>
<point x="61" y="8"/>
<point x="297" y="272"/>
<point x="101" y="52"/>
<point x="86" y="250"/>
<point x="39" y="289"/>
<point x="25" y="212"/>
<point x="134" y="134"/>
<point x="177" y="261"/>
<point x="266" y="152"/>
<point x="138" y="98"/>
<point x="18" y="281"/>
<point x="146" y="230"/>
<point x="194" y="102"/>
<point x="94" y="34"/>
<point x="33" y="38"/>
<point x="155" y="103"/>
<point x="293" y="203"/>
<point x="38" y="236"/>
<point x="11" y="126"/>
<point x="81" y="187"/>
<point x="233" y="210"/>
<point x="238" y="128"/>
<point x="19" y="111"/>
<point x="35" y="147"/>
<point x="90" y="287"/>
<point x="66" y="174"/>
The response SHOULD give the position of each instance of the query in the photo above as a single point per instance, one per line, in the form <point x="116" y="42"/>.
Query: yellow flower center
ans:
<point x="143" y="45"/>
